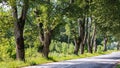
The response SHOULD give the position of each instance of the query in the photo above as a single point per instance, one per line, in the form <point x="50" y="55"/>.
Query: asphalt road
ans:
<point x="103" y="61"/>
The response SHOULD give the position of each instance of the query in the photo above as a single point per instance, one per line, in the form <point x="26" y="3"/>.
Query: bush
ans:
<point x="61" y="47"/>
<point x="31" y="52"/>
<point x="100" y="48"/>
<point x="7" y="49"/>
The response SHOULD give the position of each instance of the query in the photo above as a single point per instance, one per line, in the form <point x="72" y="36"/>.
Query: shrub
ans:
<point x="7" y="49"/>
<point x="61" y="47"/>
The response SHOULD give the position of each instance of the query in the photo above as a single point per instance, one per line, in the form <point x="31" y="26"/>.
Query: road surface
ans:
<point x="103" y="61"/>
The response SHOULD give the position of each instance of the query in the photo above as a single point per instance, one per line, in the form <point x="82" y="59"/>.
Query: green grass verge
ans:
<point x="117" y="65"/>
<point x="38" y="59"/>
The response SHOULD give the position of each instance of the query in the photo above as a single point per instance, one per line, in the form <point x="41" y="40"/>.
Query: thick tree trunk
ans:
<point x="77" y="46"/>
<point x="46" y="38"/>
<point x="88" y="39"/>
<point x="82" y="48"/>
<point x="105" y="43"/>
<point x="85" y="32"/>
<point x="79" y="43"/>
<point x="91" y="41"/>
<point x="88" y="43"/>
<point x="19" y="27"/>
<point x="82" y="34"/>
<point x="47" y="41"/>
<point x="95" y="45"/>
<point x="93" y="38"/>
<point x="77" y="40"/>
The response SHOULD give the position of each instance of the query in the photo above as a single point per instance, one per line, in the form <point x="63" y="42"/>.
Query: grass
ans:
<point x="117" y="65"/>
<point x="38" y="59"/>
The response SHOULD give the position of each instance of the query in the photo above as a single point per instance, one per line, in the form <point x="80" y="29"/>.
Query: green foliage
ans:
<point x="7" y="46"/>
<point x="61" y="47"/>
<point x="67" y="28"/>
<point x="61" y="17"/>
<point x="100" y="48"/>
<point x="118" y="65"/>
<point x="7" y="51"/>
<point x="107" y="18"/>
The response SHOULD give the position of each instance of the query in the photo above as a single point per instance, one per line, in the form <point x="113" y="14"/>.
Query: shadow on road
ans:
<point x="115" y="58"/>
<point x="79" y="64"/>
<point x="103" y="61"/>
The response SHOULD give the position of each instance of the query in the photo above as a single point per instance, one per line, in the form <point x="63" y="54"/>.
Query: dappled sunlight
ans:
<point x="59" y="33"/>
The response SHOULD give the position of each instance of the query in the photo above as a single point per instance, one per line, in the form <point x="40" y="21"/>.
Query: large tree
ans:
<point x="19" y="22"/>
<point x="48" y="18"/>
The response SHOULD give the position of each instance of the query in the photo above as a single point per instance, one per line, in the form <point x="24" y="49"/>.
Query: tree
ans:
<point x="19" y="23"/>
<point x="48" y="18"/>
<point x="78" y="12"/>
<point x="107" y="19"/>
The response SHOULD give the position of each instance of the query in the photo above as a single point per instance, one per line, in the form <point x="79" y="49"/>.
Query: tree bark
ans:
<point x="82" y="48"/>
<point x="79" y="43"/>
<point x="19" y="28"/>
<point x="118" y="45"/>
<point x="77" y="46"/>
<point x="105" y="43"/>
<point x="88" y="38"/>
<point x="86" y="32"/>
<point x="93" y="41"/>
<point x="95" y="45"/>
<point x="82" y="34"/>
<point x="88" y="43"/>
<point x="80" y="40"/>
<point x="47" y="41"/>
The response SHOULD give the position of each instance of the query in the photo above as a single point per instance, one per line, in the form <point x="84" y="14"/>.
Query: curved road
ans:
<point x="103" y="61"/>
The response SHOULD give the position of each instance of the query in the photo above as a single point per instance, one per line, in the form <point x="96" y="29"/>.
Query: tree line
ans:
<point x="83" y="22"/>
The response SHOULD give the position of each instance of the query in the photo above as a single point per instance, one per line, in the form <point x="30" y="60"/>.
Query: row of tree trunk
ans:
<point x="84" y="28"/>
<point x="87" y="37"/>
<point x="45" y="35"/>
<point x="84" y="38"/>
